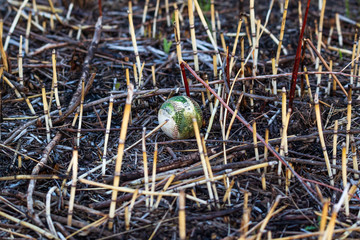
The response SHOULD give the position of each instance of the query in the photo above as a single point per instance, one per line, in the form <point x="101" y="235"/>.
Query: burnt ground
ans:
<point x="252" y="210"/>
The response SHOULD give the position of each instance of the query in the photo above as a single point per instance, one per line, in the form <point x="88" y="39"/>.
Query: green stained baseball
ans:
<point x="179" y="110"/>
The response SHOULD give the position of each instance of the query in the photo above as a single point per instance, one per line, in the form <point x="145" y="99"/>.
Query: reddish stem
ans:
<point x="297" y="59"/>
<point x="186" y="84"/>
<point x="302" y="83"/>
<point x="330" y="187"/>
<point x="227" y="66"/>
<point x="100" y="9"/>
<point x="243" y="121"/>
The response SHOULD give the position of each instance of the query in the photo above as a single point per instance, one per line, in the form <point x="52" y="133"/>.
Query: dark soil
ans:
<point x="111" y="57"/>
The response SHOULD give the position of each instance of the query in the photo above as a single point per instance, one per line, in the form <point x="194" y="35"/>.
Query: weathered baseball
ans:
<point x="179" y="110"/>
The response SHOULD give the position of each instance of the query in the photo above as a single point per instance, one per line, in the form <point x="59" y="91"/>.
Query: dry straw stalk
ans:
<point x="145" y="162"/>
<point x="124" y="125"/>
<point x="182" y="218"/>
<point x="192" y="33"/>
<point x="107" y="133"/>
<point x="73" y="186"/>
<point x="322" y="139"/>
<point x="55" y="82"/>
<point x="319" y="39"/>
